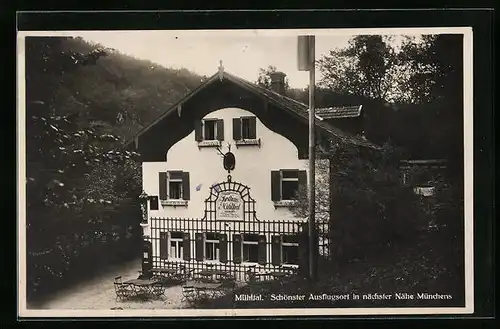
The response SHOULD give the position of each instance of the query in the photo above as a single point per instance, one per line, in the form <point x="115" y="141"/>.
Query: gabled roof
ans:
<point x="339" y="112"/>
<point x="295" y="107"/>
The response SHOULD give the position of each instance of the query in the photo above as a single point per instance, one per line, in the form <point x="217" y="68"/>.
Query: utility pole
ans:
<point x="312" y="170"/>
<point x="306" y="60"/>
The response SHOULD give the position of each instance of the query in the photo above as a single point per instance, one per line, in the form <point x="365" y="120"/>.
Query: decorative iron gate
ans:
<point x="189" y="247"/>
<point x="229" y="237"/>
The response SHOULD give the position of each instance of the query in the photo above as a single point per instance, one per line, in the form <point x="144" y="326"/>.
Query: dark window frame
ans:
<point x="204" y="129"/>
<point x="177" y="181"/>
<point x="295" y="180"/>
<point x="213" y="239"/>
<point x="250" y="246"/>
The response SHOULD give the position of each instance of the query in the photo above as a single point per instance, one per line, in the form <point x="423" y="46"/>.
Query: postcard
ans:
<point x="227" y="173"/>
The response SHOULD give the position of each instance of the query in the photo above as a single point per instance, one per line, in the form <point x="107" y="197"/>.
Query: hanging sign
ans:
<point x="229" y="206"/>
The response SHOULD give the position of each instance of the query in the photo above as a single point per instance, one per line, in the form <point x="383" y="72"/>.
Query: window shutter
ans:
<point x="186" y="195"/>
<point x="276" y="246"/>
<point x="153" y="203"/>
<point x="275" y="185"/>
<point x="200" y="246"/>
<point x="186" y="246"/>
<point x="262" y="250"/>
<point x="236" y="129"/>
<point x="237" y="248"/>
<point x="163" y="245"/>
<point x="302" y="178"/>
<point x="163" y="185"/>
<point x="198" y="130"/>
<point x="253" y="127"/>
<point x="223" y="248"/>
<point x="220" y="129"/>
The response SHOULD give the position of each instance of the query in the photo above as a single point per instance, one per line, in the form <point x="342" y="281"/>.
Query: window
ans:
<point x="285" y="184"/>
<point x="176" y="245"/>
<point x="290" y="249"/>
<point x="209" y="132"/>
<point x="174" y="187"/>
<point x="212" y="247"/>
<point x="289" y="184"/>
<point x="244" y="128"/>
<point x="247" y="131"/>
<point x="251" y="248"/>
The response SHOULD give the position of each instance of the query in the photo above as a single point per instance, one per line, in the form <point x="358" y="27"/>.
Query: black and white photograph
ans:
<point x="185" y="173"/>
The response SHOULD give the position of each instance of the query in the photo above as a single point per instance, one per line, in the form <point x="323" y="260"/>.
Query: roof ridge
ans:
<point x="269" y="90"/>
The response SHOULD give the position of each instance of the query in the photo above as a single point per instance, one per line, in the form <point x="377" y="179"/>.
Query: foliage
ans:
<point x="82" y="102"/>
<point x="264" y="79"/>
<point x="364" y="68"/>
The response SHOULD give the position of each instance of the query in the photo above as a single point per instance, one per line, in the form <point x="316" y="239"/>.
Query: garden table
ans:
<point x="207" y="289"/>
<point x="213" y="275"/>
<point x="145" y="287"/>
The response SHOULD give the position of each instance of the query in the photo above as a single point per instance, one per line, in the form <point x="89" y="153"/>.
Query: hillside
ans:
<point x="83" y="101"/>
<point x="118" y="90"/>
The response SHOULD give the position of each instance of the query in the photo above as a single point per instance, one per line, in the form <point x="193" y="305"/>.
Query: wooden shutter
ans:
<point x="236" y="129"/>
<point x="220" y="129"/>
<point x="302" y="178"/>
<point x="186" y="195"/>
<point x="163" y="185"/>
<point x="275" y="185"/>
<point x="222" y="248"/>
<point x="276" y="246"/>
<point x="200" y="246"/>
<point x="237" y="248"/>
<point x="153" y="203"/>
<point x="262" y="250"/>
<point x="164" y="245"/>
<point x="186" y="246"/>
<point x="198" y="130"/>
<point x="253" y="127"/>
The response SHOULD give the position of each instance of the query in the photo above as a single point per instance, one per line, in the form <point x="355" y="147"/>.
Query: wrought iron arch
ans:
<point x="249" y="213"/>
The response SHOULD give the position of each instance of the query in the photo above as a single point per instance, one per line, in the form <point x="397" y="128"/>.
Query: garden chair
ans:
<point x="189" y="294"/>
<point x="158" y="289"/>
<point x="123" y="291"/>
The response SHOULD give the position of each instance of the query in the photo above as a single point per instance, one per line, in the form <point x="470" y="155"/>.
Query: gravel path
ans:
<point x="99" y="293"/>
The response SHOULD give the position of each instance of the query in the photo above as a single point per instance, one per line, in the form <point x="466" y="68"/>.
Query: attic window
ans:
<point x="209" y="130"/>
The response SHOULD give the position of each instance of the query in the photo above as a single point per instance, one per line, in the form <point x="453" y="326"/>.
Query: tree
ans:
<point x="364" y="68"/>
<point x="264" y="79"/>
<point x="62" y="150"/>
<point x="372" y="210"/>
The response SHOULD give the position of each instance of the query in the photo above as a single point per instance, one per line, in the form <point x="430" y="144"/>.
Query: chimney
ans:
<point x="278" y="82"/>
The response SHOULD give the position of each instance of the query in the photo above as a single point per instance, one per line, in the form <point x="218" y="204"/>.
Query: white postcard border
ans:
<point x="468" y="186"/>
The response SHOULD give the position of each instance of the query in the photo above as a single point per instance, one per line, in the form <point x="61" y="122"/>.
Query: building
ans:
<point x="201" y="215"/>
<point x="422" y="174"/>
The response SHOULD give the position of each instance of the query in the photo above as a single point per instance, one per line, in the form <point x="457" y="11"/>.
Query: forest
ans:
<point x="83" y="101"/>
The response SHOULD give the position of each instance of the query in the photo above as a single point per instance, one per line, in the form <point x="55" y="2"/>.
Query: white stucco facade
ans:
<point x="254" y="164"/>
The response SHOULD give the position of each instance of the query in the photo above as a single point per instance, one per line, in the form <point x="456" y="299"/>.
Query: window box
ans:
<point x="209" y="143"/>
<point x="174" y="203"/>
<point x="246" y="142"/>
<point x="285" y="203"/>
